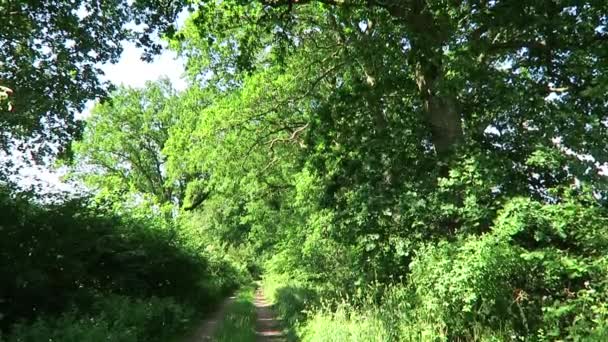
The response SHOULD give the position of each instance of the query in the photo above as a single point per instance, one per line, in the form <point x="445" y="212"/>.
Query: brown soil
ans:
<point x="268" y="327"/>
<point x="207" y="329"/>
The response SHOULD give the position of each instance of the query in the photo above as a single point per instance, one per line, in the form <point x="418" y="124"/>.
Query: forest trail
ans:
<point x="206" y="330"/>
<point x="267" y="327"/>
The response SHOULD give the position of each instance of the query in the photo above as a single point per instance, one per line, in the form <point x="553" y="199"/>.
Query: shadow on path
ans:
<point x="268" y="327"/>
<point x="209" y="326"/>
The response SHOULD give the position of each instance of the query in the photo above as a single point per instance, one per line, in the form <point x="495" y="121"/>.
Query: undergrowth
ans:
<point x="113" y="318"/>
<point x="75" y="271"/>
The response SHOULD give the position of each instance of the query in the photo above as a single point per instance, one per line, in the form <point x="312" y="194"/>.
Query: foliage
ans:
<point x="508" y="282"/>
<point x="5" y="94"/>
<point x="358" y="143"/>
<point x="452" y="148"/>
<point x="51" y="60"/>
<point x="121" y="150"/>
<point x="383" y="323"/>
<point x="75" y="254"/>
<point x="113" y="318"/>
<point x="399" y="169"/>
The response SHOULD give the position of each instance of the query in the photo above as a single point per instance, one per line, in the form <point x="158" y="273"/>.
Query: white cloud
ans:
<point x="132" y="71"/>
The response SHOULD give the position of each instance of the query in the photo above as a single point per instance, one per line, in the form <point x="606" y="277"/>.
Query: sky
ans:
<point x="132" y="71"/>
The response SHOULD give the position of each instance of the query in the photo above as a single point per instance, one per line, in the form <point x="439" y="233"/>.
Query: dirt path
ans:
<point x="208" y="327"/>
<point x="267" y="327"/>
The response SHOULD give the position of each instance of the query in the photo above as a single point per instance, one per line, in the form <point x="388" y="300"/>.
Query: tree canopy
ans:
<point x="121" y="151"/>
<point x="399" y="170"/>
<point x="51" y="58"/>
<point x="364" y="141"/>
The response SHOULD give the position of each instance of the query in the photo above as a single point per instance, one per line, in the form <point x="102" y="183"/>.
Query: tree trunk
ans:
<point x="428" y="38"/>
<point x="441" y="111"/>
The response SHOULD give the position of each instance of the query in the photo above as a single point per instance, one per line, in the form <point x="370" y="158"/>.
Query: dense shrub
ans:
<point x="538" y="274"/>
<point x="113" y="318"/>
<point x="74" y="267"/>
<point x="463" y="284"/>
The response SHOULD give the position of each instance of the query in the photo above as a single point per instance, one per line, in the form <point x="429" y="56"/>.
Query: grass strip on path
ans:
<point x="239" y="322"/>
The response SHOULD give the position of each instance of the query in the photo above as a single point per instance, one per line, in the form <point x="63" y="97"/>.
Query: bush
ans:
<point x="114" y="318"/>
<point x="473" y="282"/>
<point x="540" y="273"/>
<point x="394" y="318"/>
<point x="73" y="255"/>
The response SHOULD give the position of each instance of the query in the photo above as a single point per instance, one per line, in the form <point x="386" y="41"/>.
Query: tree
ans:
<point x="51" y="54"/>
<point x="366" y="141"/>
<point x="447" y="52"/>
<point x="121" y="150"/>
<point x="448" y="149"/>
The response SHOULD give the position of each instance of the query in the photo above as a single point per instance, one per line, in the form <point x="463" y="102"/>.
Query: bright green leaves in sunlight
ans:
<point x="5" y="101"/>
<point x="121" y="150"/>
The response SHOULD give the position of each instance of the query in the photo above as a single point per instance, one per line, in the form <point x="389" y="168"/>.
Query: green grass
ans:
<point x="291" y="301"/>
<point x="238" y="324"/>
<point x="310" y="316"/>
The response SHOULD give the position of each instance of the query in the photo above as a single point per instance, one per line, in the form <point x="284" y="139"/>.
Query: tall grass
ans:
<point x="366" y="318"/>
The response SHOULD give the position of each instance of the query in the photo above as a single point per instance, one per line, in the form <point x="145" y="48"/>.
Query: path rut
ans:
<point x="268" y="327"/>
<point x="207" y="329"/>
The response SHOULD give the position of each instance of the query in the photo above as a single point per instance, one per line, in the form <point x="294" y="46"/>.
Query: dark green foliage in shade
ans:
<point x="77" y="255"/>
<point x="114" y="318"/>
